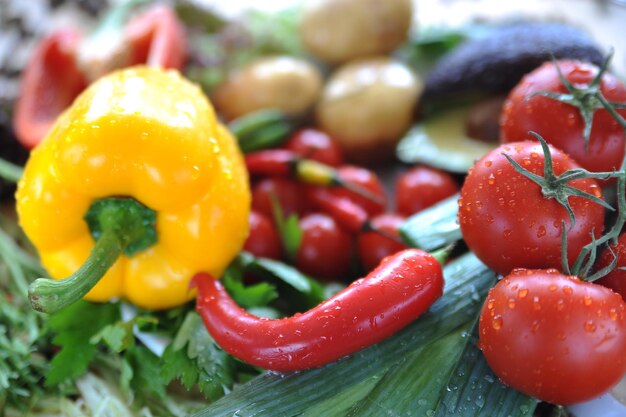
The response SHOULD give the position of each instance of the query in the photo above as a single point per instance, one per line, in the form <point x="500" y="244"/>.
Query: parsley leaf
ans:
<point x="194" y="358"/>
<point x="146" y="370"/>
<point x="119" y="336"/>
<point x="74" y="327"/>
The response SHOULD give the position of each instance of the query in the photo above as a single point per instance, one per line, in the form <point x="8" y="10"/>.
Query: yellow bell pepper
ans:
<point x="139" y="167"/>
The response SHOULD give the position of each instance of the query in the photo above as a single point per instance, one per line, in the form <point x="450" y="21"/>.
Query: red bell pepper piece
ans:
<point x="157" y="38"/>
<point x="50" y="82"/>
<point x="53" y="77"/>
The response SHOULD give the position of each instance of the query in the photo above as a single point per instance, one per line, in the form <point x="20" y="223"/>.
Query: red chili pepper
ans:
<point x="371" y="309"/>
<point x="50" y="82"/>
<point x="157" y="38"/>
<point x="274" y="162"/>
<point x="359" y="184"/>
<point x="346" y="212"/>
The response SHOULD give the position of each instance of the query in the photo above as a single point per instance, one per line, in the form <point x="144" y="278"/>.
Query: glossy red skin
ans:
<point x="157" y="38"/>
<point x="561" y="124"/>
<point x="263" y="239"/>
<point x="317" y="145"/>
<point x="325" y="250"/>
<point x="345" y="211"/>
<point x="420" y="187"/>
<point x="374" y="246"/>
<point x="50" y="83"/>
<point x="288" y="192"/>
<point x="506" y="221"/>
<point x="366" y="179"/>
<point x="553" y="336"/>
<point x="369" y="310"/>
<point x="274" y="162"/>
<point x="616" y="279"/>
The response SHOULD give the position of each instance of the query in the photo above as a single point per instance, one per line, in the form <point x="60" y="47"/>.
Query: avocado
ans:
<point x="441" y="142"/>
<point x="496" y="62"/>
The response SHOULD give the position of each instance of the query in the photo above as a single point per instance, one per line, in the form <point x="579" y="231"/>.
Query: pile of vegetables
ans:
<point x="270" y="256"/>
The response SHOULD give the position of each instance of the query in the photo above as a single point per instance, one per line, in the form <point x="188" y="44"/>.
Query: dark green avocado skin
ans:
<point x="495" y="63"/>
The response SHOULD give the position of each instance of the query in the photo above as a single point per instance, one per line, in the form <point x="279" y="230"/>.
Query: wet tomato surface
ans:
<point x="507" y="221"/>
<point x="554" y="336"/>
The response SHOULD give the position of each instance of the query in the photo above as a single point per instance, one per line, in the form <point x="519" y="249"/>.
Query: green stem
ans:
<point x="119" y="225"/>
<point x="9" y="171"/>
<point x="49" y="295"/>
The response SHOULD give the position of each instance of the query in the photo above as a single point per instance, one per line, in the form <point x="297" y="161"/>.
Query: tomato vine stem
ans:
<point x="587" y="99"/>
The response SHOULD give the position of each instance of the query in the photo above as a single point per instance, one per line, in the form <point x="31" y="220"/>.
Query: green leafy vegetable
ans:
<point x="288" y="229"/>
<point x="434" y="227"/>
<point x="474" y="390"/>
<point x="195" y="360"/>
<point x="74" y="327"/>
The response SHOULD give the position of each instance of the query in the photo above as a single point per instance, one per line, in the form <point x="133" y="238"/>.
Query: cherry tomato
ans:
<point x="325" y="250"/>
<point x="317" y="145"/>
<point x="373" y="246"/>
<point x="263" y="239"/>
<point x="421" y="187"/>
<point x="554" y="336"/>
<point x="508" y="223"/>
<point x="561" y="124"/>
<point x="288" y="192"/>
<point x="366" y="179"/>
<point x="616" y="279"/>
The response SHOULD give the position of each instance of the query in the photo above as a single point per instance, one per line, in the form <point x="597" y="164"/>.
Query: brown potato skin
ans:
<point x="336" y="31"/>
<point x="280" y="82"/>
<point x="367" y="105"/>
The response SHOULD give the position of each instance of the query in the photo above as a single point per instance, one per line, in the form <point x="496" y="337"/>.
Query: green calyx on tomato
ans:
<point x="553" y="186"/>
<point x="587" y="99"/>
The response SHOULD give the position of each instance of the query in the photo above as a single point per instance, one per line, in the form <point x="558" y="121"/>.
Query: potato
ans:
<point x="281" y="82"/>
<point x="367" y="105"/>
<point x="336" y="31"/>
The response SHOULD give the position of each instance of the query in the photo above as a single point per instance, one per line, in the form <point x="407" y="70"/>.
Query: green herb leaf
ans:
<point x="262" y="129"/>
<point x="308" y="292"/>
<point x="74" y="327"/>
<point x="195" y="359"/>
<point x="120" y="335"/>
<point x="288" y="230"/>
<point x="256" y="295"/>
<point x="146" y="371"/>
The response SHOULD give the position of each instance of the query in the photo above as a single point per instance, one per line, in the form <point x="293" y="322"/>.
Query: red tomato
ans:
<point x="421" y="187"/>
<point x="553" y="336"/>
<point x="325" y="250"/>
<point x="366" y="179"/>
<point x="288" y="192"/>
<point x="561" y="124"/>
<point x="317" y="145"/>
<point x="616" y="279"/>
<point x="374" y="246"/>
<point x="508" y="223"/>
<point x="263" y="239"/>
